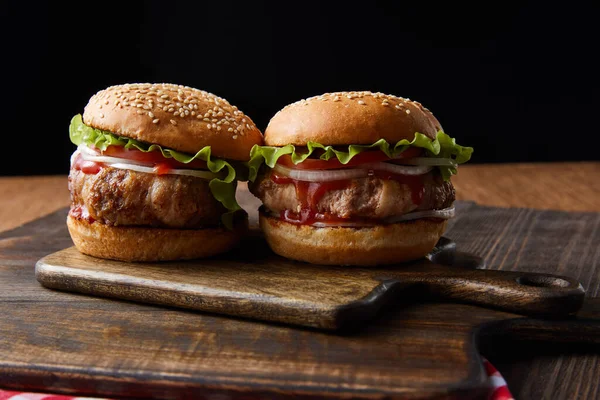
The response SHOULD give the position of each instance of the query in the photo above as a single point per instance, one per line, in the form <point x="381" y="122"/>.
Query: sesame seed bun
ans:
<point x="379" y="245"/>
<point x="126" y="243"/>
<point x="345" y="118"/>
<point x="174" y="116"/>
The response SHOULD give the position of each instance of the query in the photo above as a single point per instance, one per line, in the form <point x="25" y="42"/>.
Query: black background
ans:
<point x="519" y="82"/>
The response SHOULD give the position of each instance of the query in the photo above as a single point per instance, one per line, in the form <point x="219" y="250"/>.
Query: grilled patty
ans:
<point x="365" y="197"/>
<point x="123" y="197"/>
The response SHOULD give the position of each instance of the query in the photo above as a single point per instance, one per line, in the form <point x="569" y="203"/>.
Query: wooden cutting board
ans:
<point x="253" y="282"/>
<point x="72" y="343"/>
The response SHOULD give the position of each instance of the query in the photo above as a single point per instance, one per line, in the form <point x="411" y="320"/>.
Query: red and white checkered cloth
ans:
<point x="496" y="381"/>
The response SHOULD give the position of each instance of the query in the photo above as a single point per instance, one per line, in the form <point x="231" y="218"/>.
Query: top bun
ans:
<point x="344" y="118"/>
<point x="174" y="116"/>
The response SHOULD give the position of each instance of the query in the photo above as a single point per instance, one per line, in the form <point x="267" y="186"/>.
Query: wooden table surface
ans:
<point x="559" y="186"/>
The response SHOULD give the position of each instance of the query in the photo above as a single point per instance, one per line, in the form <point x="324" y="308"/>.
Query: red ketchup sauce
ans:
<point x="87" y="167"/>
<point x="309" y="194"/>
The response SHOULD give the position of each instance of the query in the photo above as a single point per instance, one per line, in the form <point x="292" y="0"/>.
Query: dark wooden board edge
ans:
<point x="52" y="275"/>
<point x="144" y="385"/>
<point x="73" y="280"/>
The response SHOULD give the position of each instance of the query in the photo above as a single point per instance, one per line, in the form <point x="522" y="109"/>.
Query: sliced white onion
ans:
<point x="115" y="162"/>
<point x="448" y="162"/>
<point x="397" y="169"/>
<point x="150" y="170"/>
<point x="112" y="160"/>
<point x="73" y="156"/>
<point x="321" y="175"/>
<point x="445" y="213"/>
<point x="87" y="150"/>
<point x="346" y="224"/>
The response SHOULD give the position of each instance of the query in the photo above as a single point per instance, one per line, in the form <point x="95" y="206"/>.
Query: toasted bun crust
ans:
<point x="174" y="116"/>
<point x="344" y="118"/>
<point x="151" y="244"/>
<point x="384" y="244"/>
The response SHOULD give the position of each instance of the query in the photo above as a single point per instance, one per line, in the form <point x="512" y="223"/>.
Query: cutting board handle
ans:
<point x="523" y="293"/>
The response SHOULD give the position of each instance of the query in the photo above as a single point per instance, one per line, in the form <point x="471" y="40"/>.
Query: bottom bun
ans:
<point x="128" y="243"/>
<point x="378" y="245"/>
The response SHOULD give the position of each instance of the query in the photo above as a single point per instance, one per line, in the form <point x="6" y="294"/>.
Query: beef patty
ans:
<point x="365" y="197"/>
<point x="123" y="197"/>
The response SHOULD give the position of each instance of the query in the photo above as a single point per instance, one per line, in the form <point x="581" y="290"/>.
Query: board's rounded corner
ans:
<point x="355" y="313"/>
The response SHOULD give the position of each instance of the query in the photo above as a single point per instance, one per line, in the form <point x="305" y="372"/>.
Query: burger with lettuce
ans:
<point x="155" y="172"/>
<point x="355" y="178"/>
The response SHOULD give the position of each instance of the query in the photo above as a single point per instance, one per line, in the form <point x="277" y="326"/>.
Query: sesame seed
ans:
<point x="209" y="126"/>
<point x="171" y="109"/>
<point x="361" y="102"/>
<point x="176" y="113"/>
<point x="229" y="129"/>
<point x="235" y="137"/>
<point x="101" y="115"/>
<point x="407" y="111"/>
<point x="150" y="114"/>
<point x="173" y="121"/>
<point x="336" y="98"/>
<point x="155" y="121"/>
<point x="218" y="128"/>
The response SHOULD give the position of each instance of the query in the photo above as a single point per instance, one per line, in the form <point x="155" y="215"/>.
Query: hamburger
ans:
<point x="355" y="178"/>
<point x="155" y="172"/>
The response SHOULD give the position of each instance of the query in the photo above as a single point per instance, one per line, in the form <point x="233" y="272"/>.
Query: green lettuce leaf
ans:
<point x="222" y="188"/>
<point x="442" y="146"/>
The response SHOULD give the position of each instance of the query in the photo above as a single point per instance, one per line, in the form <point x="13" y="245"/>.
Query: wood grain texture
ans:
<point x="78" y="344"/>
<point x="253" y="282"/>
<point x="558" y="186"/>
<point x="24" y="199"/>
<point x="541" y="241"/>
